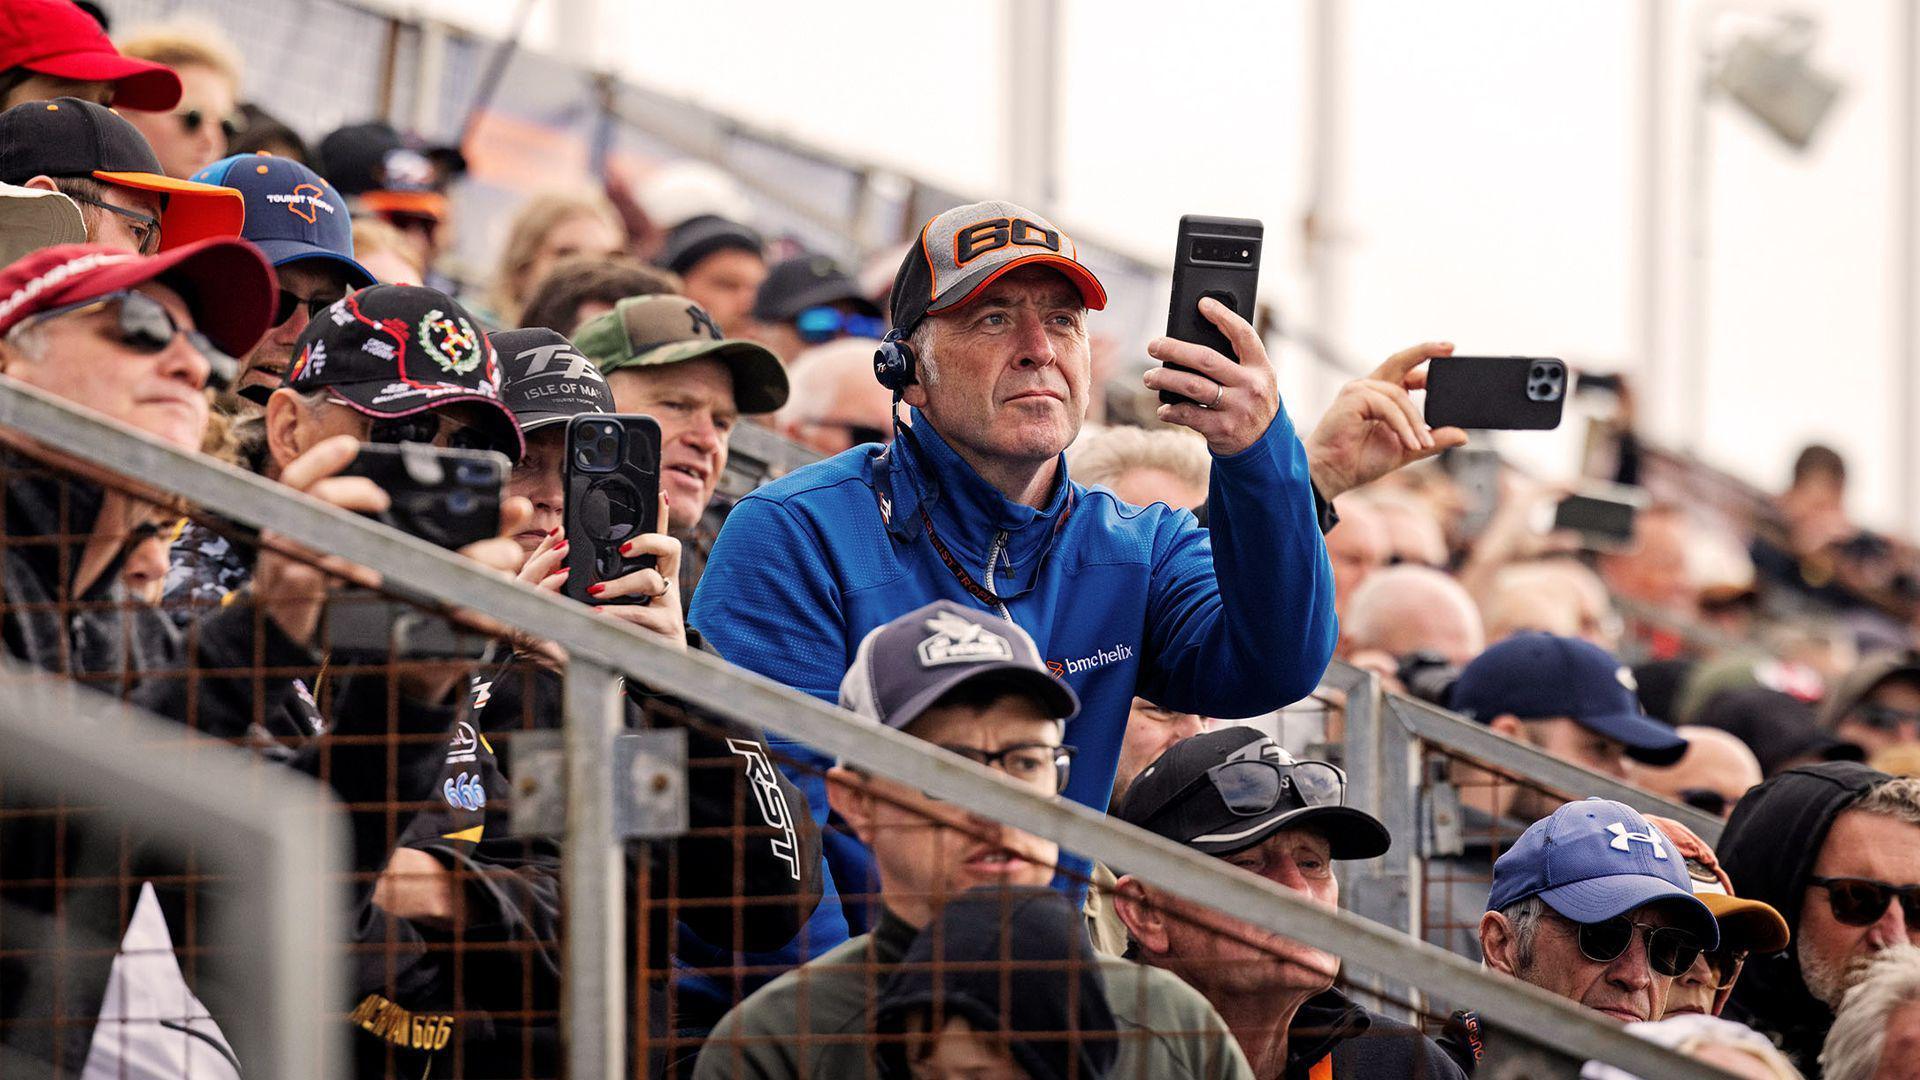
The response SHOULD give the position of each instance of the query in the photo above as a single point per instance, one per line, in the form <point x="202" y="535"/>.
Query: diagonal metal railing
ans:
<point x="603" y="650"/>
<point x="276" y="840"/>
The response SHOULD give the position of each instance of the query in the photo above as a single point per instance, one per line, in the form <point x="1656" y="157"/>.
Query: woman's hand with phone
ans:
<point x="661" y="614"/>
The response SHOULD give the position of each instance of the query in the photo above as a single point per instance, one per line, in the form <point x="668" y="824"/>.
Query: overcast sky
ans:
<point x="1492" y="192"/>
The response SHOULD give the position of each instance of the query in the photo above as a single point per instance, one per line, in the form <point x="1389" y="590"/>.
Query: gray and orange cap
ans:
<point x="967" y="248"/>
<point x="654" y="331"/>
<point x="902" y="667"/>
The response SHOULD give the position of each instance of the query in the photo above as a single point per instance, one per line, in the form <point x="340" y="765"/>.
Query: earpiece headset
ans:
<point x="894" y="364"/>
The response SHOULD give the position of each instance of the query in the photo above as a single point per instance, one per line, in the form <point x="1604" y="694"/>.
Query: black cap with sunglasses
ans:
<point x="400" y="353"/>
<point x="805" y="282"/>
<point x="1230" y="788"/>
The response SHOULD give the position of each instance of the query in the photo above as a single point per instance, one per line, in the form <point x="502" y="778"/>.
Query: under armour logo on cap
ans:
<point x="1623" y="840"/>
<point x="958" y="641"/>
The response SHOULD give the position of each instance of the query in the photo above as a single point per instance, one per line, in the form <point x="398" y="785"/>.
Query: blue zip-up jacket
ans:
<point x="1121" y="600"/>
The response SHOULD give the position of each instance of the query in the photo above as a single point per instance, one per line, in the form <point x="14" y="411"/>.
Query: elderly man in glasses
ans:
<point x="1835" y="847"/>
<point x="1595" y="904"/>
<point x="1236" y="794"/>
<point x="138" y="340"/>
<point x="973" y="684"/>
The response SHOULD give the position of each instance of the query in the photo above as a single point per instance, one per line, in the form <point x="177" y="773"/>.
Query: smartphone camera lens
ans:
<point x="462" y="503"/>
<point x="472" y="474"/>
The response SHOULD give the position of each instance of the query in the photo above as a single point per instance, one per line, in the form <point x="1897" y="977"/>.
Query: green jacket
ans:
<point x="814" y="1020"/>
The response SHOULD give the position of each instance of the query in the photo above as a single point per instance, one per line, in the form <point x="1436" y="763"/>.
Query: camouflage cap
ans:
<point x="653" y="331"/>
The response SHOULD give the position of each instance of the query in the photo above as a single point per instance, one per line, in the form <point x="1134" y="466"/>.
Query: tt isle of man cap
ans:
<point x="902" y="667"/>
<point x="969" y="247"/>
<point x="292" y="214"/>
<point x="395" y="350"/>
<point x="652" y="331"/>
<point x="547" y="380"/>
<point x="68" y="137"/>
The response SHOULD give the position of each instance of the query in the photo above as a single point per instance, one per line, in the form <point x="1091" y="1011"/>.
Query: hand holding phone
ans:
<point x="1512" y="393"/>
<point x="441" y="495"/>
<point x="612" y="480"/>
<point x="1216" y="257"/>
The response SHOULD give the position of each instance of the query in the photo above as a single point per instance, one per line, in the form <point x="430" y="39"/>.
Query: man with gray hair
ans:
<point x="833" y="404"/>
<point x="1835" y="847"/>
<point x="1406" y="610"/>
<point x="1876" y="1033"/>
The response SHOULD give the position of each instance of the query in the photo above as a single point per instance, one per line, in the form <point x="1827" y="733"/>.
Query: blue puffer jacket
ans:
<point x="1121" y="600"/>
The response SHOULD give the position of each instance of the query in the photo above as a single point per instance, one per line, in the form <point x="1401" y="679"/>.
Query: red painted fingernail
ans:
<point x="596" y="588"/>
<point x="553" y="531"/>
<point x="561" y="546"/>
<point x="667" y="497"/>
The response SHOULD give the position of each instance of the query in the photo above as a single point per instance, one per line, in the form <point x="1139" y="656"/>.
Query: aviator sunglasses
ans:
<point x="146" y="326"/>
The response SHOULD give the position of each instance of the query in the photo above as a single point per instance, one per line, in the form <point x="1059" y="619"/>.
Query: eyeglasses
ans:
<point x="146" y="227"/>
<point x="1259" y="775"/>
<point x="314" y="305"/>
<point x="1670" y="950"/>
<point x="192" y="120"/>
<point x="146" y="326"/>
<point x="821" y="324"/>
<point x="1861" y="901"/>
<point x="1042" y="765"/>
<point x="1885" y="717"/>
<point x="1705" y="800"/>
<point x="1725" y="964"/>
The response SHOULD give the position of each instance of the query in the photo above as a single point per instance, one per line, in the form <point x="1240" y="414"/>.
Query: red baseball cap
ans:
<point x="226" y="282"/>
<point x="55" y="37"/>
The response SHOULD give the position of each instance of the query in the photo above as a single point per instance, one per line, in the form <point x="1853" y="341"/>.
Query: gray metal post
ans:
<point x="594" y="873"/>
<point x="1377" y="756"/>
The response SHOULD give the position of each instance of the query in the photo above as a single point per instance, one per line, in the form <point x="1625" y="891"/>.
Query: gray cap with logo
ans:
<point x="904" y="666"/>
<point x="546" y="380"/>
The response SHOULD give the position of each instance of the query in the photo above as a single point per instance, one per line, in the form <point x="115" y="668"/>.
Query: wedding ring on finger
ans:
<point x="1219" y="391"/>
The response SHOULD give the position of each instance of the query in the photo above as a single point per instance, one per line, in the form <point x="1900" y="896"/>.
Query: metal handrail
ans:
<point x="729" y="691"/>
<point x="1482" y="746"/>
<point x="275" y="839"/>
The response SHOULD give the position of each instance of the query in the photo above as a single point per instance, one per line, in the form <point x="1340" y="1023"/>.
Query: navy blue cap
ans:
<point x="292" y="214"/>
<point x="1536" y="676"/>
<point x="1594" y="859"/>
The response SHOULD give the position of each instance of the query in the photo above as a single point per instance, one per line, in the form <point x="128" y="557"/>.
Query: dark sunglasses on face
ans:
<point x="816" y="325"/>
<point x="1260" y="775"/>
<point x="192" y="120"/>
<point x="289" y="303"/>
<point x="1043" y="765"/>
<point x="145" y="227"/>
<point x="424" y="427"/>
<point x="144" y="325"/>
<point x="1725" y="964"/>
<point x="1862" y="901"/>
<point x="1705" y="800"/>
<point x="1886" y="718"/>
<point x="857" y="433"/>
<point x="1670" y="950"/>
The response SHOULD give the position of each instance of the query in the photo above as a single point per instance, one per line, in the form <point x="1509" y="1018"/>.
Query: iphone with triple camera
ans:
<point x="612" y="475"/>
<point x="1217" y="257"/>
<point x="1504" y="393"/>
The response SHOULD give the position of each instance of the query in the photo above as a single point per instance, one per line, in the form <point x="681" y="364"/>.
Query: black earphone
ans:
<point x="894" y="363"/>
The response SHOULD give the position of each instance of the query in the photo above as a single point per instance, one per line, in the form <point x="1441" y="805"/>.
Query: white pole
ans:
<point x="1325" y="221"/>
<point x="1650" y="312"/>
<point x="1905" y="349"/>
<point x="1032" y="106"/>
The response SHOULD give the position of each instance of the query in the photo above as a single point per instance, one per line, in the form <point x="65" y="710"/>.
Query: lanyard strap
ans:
<point x="980" y="592"/>
<point x="1322" y="1069"/>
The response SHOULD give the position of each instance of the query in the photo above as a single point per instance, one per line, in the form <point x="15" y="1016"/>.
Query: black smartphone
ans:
<point x="1217" y="257"/>
<point x="1602" y="516"/>
<point x="1509" y="393"/>
<point x="612" y="476"/>
<point x="441" y="495"/>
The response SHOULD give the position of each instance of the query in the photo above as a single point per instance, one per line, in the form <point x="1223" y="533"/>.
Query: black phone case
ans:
<point x="1194" y="277"/>
<point x="443" y="496"/>
<point x="1495" y="392"/>
<point x="606" y="509"/>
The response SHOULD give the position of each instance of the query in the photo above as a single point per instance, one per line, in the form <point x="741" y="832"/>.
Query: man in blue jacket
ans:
<point x="972" y="504"/>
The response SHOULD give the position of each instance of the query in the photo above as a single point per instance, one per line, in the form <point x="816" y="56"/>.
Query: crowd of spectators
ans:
<point x="1115" y="616"/>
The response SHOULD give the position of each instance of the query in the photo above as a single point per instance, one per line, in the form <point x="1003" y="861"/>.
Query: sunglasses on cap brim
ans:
<point x="1260" y="777"/>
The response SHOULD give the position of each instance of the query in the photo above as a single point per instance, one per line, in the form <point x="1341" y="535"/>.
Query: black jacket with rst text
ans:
<point x="485" y="992"/>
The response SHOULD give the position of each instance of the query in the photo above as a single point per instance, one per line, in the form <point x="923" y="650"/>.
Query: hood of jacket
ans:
<point x="1015" y="963"/>
<point x="1768" y="850"/>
